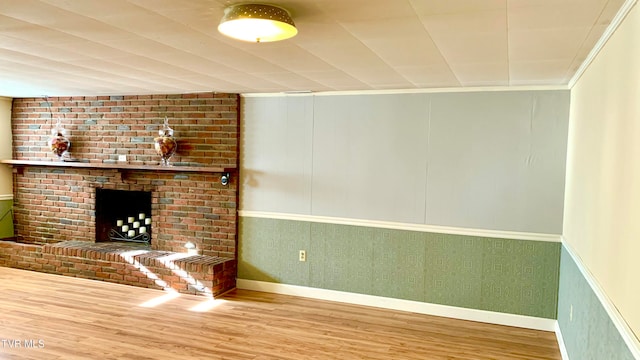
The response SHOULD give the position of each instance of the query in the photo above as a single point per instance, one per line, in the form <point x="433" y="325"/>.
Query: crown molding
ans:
<point x="410" y="91"/>
<point x="609" y="31"/>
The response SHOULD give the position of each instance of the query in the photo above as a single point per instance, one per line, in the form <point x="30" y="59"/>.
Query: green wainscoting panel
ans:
<point x="271" y="254"/>
<point x="502" y="275"/>
<point x="345" y="262"/>
<point x="589" y="334"/>
<point x="520" y="275"/>
<point x="6" y="219"/>
<point x="453" y="270"/>
<point x="398" y="264"/>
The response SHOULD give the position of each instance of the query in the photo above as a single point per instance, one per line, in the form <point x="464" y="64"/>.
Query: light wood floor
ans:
<point x="84" y="319"/>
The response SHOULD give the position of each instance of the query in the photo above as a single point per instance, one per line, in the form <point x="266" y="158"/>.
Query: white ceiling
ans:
<point x="92" y="47"/>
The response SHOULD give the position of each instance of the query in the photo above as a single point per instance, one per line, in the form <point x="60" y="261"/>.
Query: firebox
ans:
<point x="123" y="215"/>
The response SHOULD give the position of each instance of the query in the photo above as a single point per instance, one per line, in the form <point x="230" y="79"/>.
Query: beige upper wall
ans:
<point x="602" y="196"/>
<point x="479" y="160"/>
<point x="6" y="177"/>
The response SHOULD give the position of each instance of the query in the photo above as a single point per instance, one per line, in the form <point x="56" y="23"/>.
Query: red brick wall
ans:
<point x="58" y="204"/>
<point x="103" y="127"/>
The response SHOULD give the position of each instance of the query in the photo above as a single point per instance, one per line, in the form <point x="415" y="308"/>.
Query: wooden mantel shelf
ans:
<point x="88" y="165"/>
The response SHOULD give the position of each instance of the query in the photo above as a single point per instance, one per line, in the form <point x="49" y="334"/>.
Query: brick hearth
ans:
<point x="125" y="264"/>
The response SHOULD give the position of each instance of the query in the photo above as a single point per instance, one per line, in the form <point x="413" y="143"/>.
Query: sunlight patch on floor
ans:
<point x="207" y="305"/>
<point x="170" y="295"/>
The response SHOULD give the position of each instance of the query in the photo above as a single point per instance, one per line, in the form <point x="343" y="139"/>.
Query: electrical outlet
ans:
<point x="571" y="313"/>
<point x="302" y="255"/>
<point x="122" y="157"/>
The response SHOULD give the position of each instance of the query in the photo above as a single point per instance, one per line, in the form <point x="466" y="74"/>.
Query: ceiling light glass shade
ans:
<point x="257" y="23"/>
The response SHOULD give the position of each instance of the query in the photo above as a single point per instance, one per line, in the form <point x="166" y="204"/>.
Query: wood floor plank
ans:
<point x="85" y="319"/>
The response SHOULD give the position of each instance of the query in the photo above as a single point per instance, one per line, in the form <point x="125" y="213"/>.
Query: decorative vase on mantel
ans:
<point x="165" y="144"/>
<point x="59" y="142"/>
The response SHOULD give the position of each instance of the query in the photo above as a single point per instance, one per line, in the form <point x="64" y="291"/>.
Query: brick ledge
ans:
<point x="126" y="264"/>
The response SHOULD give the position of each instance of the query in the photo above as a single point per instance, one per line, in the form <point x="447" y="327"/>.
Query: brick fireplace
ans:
<point x="55" y="206"/>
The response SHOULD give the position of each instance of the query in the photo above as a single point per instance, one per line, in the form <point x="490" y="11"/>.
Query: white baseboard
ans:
<point x="491" y="317"/>
<point x="563" y="348"/>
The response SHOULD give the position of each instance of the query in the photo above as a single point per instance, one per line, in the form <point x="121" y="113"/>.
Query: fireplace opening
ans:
<point x="123" y="215"/>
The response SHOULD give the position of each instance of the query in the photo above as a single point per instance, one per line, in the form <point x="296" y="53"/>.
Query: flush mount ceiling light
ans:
<point x="257" y="23"/>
